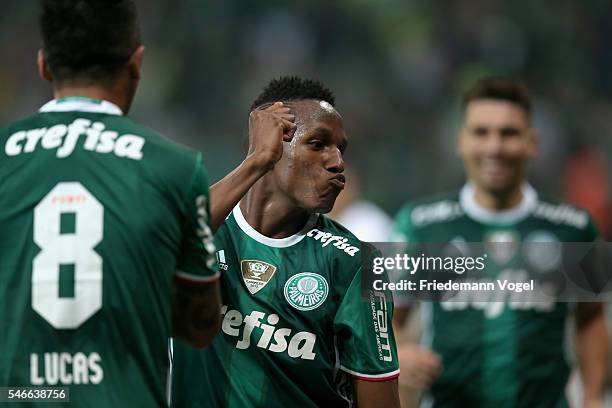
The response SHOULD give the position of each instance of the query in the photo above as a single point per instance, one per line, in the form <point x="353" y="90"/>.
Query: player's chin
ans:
<point x="498" y="185"/>
<point x="326" y="203"/>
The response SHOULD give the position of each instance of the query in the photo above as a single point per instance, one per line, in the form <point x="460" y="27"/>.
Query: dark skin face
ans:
<point x="309" y="174"/>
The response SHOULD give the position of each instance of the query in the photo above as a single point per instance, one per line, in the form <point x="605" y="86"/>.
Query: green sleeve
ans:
<point x="197" y="258"/>
<point x="363" y="326"/>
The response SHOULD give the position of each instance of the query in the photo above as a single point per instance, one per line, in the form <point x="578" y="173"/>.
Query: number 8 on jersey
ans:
<point x="75" y="248"/>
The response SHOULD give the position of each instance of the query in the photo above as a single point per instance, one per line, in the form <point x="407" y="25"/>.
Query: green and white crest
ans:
<point x="306" y="290"/>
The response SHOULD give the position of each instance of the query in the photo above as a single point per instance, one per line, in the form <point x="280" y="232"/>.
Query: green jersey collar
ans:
<point x="81" y="104"/>
<point x="272" y="242"/>
<point x="510" y="216"/>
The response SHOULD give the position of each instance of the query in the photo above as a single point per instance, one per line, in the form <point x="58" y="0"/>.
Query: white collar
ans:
<point x="81" y="104"/>
<point x="510" y="216"/>
<point x="272" y="242"/>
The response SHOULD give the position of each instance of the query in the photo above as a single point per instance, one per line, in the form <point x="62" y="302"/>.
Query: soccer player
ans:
<point x="298" y="329"/>
<point x="479" y="354"/>
<point x="101" y="220"/>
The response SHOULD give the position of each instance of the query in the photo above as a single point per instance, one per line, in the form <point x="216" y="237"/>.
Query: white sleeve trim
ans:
<point x="196" y="278"/>
<point x="372" y="376"/>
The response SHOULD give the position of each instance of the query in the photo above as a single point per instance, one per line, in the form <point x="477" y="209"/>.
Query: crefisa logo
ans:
<point x="306" y="290"/>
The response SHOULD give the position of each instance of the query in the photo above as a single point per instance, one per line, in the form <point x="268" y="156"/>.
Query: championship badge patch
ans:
<point x="256" y="274"/>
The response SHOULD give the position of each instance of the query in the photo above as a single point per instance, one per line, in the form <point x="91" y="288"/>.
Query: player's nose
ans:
<point x="494" y="144"/>
<point x="335" y="162"/>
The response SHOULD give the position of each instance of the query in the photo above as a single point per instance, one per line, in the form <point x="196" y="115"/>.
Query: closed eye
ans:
<point x="480" y="131"/>
<point x="510" y="131"/>
<point x="316" y="144"/>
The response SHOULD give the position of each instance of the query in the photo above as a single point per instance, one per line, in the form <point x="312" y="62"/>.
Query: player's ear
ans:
<point x="135" y="63"/>
<point x="43" y="68"/>
<point x="459" y="142"/>
<point x="534" y="143"/>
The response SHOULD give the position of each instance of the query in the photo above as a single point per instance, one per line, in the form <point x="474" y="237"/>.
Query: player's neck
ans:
<point x="92" y="92"/>
<point x="270" y="215"/>
<point x="498" y="201"/>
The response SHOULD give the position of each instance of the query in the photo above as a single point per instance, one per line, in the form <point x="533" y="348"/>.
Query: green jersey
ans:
<point x="97" y="215"/>
<point x="296" y="323"/>
<point x="496" y="354"/>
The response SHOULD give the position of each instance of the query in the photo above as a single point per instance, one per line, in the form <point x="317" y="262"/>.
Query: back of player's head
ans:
<point x="293" y="88"/>
<point x="502" y="89"/>
<point x="88" y="41"/>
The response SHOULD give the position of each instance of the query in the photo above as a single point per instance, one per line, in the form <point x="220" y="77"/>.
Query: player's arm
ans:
<point x="366" y="344"/>
<point x="196" y="299"/>
<point x="374" y="394"/>
<point x="268" y="128"/>
<point x="400" y="317"/>
<point x="592" y="350"/>
<point x="195" y="311"/>
<point x="420" y="365"/>
<point x="402" y="236"/>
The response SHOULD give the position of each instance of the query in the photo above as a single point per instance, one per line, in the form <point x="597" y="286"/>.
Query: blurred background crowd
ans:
<point x="397" y="68"/>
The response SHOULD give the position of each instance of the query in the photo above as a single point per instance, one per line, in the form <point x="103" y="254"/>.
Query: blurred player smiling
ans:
<point x="511" y="356"/>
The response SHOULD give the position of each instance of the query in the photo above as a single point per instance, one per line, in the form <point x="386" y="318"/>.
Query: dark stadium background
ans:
<point x="396" y="66"/>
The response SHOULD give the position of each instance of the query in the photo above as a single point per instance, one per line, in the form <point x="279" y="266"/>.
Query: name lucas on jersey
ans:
<point x="65" y="368"/>
<point x="65" y="138"/>
<point x="299" y="345"/>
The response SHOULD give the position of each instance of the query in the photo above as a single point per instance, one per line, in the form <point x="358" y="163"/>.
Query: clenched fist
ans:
<point x="268" y="128"/>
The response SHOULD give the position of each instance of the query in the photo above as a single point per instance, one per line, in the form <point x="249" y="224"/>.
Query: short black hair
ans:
<point x="499" y="88"/>
<point x="87" y="41"/>
<point x="293" y="88"/>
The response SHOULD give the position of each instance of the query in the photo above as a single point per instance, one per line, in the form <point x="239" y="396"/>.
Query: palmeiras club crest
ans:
<point x="502" y="245"/>
<point x="306" y="291"/>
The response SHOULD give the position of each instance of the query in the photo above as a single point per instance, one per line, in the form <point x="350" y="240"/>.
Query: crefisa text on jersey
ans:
<point x="65" y="138"/>
<point x="326" y="238"/>
<point x="65" y="368"/>
<point x="297" y="345"/>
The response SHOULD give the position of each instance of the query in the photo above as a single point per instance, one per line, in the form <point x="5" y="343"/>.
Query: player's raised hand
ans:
<point x="268" y="128"/>
<point x="420" y="366"/>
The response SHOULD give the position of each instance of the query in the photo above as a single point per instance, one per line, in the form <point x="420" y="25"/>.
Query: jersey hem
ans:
<point x="197" y="279"/>
<point x="372" y="377"/>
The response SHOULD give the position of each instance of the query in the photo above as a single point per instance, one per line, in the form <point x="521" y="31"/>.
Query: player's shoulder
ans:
<point x="557" y="212"/>
<point x="13" y="134"/>
<point x="27" y="122"/>
<point x="436" y="209"/>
